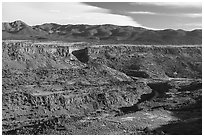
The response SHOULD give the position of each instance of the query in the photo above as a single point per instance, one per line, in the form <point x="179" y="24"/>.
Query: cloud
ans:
<point x="101" y="18"/>
<point x="193" y="15"/>
<point x="87" y="14"/>
<point x="142" y="12"/>
<point x="192" y="24"/>
<point x="62" y="13"/>
<point x="190" y="15"/>
<point x="189" y="26"/>
<point x="172" y="4"/>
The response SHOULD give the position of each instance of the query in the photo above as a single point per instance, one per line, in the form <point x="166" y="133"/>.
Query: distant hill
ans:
<point x="106" y="33"/>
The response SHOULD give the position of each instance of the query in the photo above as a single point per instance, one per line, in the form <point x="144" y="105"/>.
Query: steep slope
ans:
<point x="151" y="61"/>
<point x="66" y="88"/>
<point x="41" y="81"/>
<point x="20" y="30"/>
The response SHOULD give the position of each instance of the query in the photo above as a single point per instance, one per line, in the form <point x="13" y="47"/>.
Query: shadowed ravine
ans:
<point x="63" y="88"/>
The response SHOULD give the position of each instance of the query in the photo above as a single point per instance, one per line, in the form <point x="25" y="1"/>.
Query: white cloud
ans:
<point x="180" y="4"/>
<point x="173" y="4"/>
<point x="101" y="18"/>
<point x="190" y="15"/>
<point x="142" y="12"/>
<point x="62" y="13"/>
<point x="192" y="24"/>
<point x="193" y="15"/>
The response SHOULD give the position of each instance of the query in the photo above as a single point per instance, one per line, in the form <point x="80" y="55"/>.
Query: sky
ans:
<point x="154" y="15"/>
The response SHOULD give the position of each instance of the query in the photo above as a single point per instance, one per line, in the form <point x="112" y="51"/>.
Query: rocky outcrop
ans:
<point x="41" y="81"/>
<point x="87" y="100"/>
<point x="43" y="87"/>
<point x="13" y="26"/>
<point x="112" y="73"/>
<point x="28" y="55"/>
<point x="151" y="61"/>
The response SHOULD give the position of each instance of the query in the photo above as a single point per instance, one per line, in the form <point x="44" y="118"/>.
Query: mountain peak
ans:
<point x="14" y="26"/>
<point x="19" y="22"/>
<point x="106" y="33"/>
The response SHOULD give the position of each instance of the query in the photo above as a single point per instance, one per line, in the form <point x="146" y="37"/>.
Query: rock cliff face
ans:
<point x="40" y="81"/>
<point x="52" y="86"/>
<point x="90" y="99"/>
<point x="151" y="61"/>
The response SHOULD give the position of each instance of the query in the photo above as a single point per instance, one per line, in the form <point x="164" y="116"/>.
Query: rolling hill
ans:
<point x="106" y="33"/>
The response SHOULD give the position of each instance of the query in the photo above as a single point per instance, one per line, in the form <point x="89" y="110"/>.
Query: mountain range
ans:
<point x="106" y="33"/>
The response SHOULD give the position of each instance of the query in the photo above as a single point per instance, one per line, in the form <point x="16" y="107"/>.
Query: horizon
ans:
<point x="154" y="16"/>
<point x="105" y="24"/>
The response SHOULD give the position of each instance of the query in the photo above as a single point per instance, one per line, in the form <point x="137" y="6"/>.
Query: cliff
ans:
<point x="40" y="80"/>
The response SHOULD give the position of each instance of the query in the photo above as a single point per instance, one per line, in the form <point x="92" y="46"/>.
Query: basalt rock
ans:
<point x="151" y="61"/>
<point x="41" y="81"/>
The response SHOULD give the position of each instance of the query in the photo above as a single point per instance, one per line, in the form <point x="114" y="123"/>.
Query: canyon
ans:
<point x="55" y="87"/>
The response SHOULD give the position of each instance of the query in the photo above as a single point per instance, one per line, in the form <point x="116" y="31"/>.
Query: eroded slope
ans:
<point x="41" y="81"/>
<point x="61" y="88"/>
